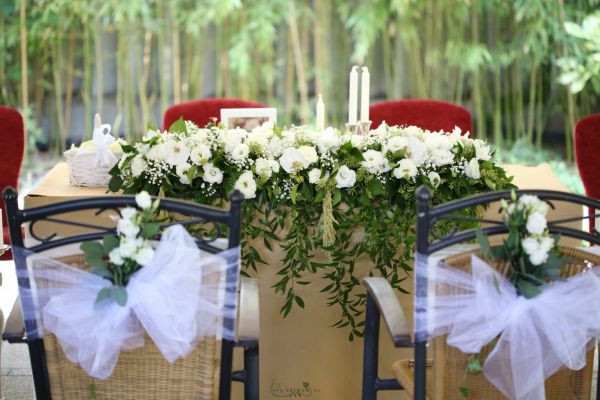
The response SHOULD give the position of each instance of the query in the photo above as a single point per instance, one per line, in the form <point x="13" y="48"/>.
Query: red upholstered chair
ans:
<point x="433" y="115"/>
<point x="12" y="147"/>
<point x="202" y="111"/>
<point x="587" y="155"/>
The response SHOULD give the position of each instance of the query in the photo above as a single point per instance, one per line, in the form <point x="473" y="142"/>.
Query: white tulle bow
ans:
<point x="536" y="337"/>
<point x="178" y="298"/>
<point x="102" y="139"/>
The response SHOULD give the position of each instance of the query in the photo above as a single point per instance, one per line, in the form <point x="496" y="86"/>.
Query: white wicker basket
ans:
<point x="82" y="171"/>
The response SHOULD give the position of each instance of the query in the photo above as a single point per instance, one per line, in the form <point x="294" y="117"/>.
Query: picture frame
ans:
<point x="247" y="118"/>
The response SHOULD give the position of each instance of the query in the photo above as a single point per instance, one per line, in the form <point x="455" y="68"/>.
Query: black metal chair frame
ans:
<point x="196" y="214"/>
<point x="382" y="301"/>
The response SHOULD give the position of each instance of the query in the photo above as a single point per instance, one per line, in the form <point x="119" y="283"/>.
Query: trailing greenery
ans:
<point x="499" y="58"/>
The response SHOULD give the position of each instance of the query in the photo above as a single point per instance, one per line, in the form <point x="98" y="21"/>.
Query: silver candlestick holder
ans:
<point x="352" y="128"/>
<point x="363" y="127"/>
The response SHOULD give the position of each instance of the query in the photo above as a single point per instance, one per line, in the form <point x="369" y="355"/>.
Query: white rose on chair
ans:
<point x="246" y="184"/>
<point x="536" y="223"/>
<point x="537" y="249"/>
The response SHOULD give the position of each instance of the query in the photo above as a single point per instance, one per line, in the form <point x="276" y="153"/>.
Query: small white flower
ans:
<point x="266" y="167"/>
<point x="232" y="138"/>
<point x="292" y="160"/>
<point x="536" y="223"/>
<point x="181" y="171"/>
<point x="314" y="176"/>
<point x="434" y="178"/>
<point x="138" y="165"/>
<point x="115" y="256"/>
<point x="128" y="213"/>
<point x="482" y="150"/>
<point x="345" y="177"/>
<point x="127" y="227"/>
<point x="397" y="143"/>
<point x="143" y="200"/>
<point x="258" y="139"/>
<point x="129" y="246"/>
<point x="310" y="153"/>
<point x="375" y="161"/>
<point x="406" y="169"/>
<point x="240" y="152"/>
<point x="150" y="134"/>
<point x="472" y="169"/>
<point x="246" y="184"/>
<point x="176" y="152"/>
<point x="144" y="255"/>
<point x="158" y="152"/>
<point x="328" y="140"/>
<point x="200" y="154"/>
<point x="537" y="249"/>
<point x="212" y="174"/>
<point x="358" y="141"/>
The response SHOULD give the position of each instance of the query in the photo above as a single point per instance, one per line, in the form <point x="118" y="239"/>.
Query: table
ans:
<point x="301" y="355"/>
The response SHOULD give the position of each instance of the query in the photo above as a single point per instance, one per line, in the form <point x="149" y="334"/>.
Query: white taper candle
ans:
<point x="364" y="94"/>
<point x="320" y="114"/>
<point x="353" y="96"/>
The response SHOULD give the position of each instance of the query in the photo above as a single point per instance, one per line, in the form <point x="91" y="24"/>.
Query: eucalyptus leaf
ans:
<point x="119" y="295"/>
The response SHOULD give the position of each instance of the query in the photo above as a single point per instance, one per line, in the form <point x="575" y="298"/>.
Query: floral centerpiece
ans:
<point x="310" y="191"/>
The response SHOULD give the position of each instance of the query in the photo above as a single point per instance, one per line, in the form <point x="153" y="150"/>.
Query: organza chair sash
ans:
<point x="181" y="296"/>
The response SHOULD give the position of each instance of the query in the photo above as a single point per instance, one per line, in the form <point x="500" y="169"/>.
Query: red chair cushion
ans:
<point x="587" y="155"/>
<point x="433" y="115"/>
<point x="202" y="111"/>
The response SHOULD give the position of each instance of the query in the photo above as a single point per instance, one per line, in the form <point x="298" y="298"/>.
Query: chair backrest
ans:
<point x="587" y="142"/>
<point x="433" y="115"/>
<point x="219" y="223"/>
<point x="201" y="112"/>
<point x="459" y="215"/>
<point x="12" y="148"/>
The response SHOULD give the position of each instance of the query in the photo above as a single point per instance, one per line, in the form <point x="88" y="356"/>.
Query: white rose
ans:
<point x="266" y="167"/>
<point x="442" y="157"/>
<point x="232" y="138"/>
<point x="536" y="223"/>
<point x="533" y="204"/>
<point x="144" y="255"/>
<point x="127" y="227"/>
<point x="538" y="258"/>
<point x="375" y="161"/>
<point x="537" y="249"/>
<point x="435" y="178"/>
<point x="128" y="213"/>
<point x="328" y="140"/>
<point x="115" y="256"/>
<point x="310" y="153"/>
<point x="345" y="177"/>
<point x="246" y="184"/>
<point x="292" y="160"/>
<point x="138" y="165"/>
<point x="129" y="247"/>
<point x="406" y="169"/>
<point x="176" y="152"/>
<point x="397" y="143"/>
<point x="143" y="200"/>
<point x="181" y="171"/>
<point x="529" y="245"/>
<point x="212" y="174"/>
<point x="472" y="169"/>
<point x="417" y="151"/>
<point x="157" y="152"/>
<point x="314" y="176"/>
<point x="200" y="154"/>
<point x="240" y="152"/>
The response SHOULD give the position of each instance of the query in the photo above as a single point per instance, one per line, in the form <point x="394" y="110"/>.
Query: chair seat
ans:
<point x="404" y="372"/>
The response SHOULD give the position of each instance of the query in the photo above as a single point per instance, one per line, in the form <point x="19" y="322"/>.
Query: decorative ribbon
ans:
<point x="181" y="296"/>
<point x="102" y="139"/>
<point x="536" y="337"/>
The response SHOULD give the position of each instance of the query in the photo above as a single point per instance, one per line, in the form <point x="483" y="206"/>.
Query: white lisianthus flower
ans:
<point x="138" y="165"/>
<point x="533" y="204"/>
<point x="200" y="154"/>
<point x="143" y="200"/>
<point x="212" y="174"/>
<point x="328" y="140"/>
<point x="374" y="161"/>
<point x="397" y="143"/>
<point x="129" y="246"/>
<point x="181" y="171"/>
<point x="176" y="152"/>
<point x="434" y="178"/>
<point x="127" y="227"/>
<point x="472" y="169"/>
<point x="441" y="157"/>
<point x="536" y="223"/>
<point x="265" y="167"/>
<point x="144" y="255"/>
<point x="246" y="184"/>
<point x="314" y="175"/>
<point x="240" y="152"/>
<point x="150" y="134"/>
<point x="417" y="151"/>
<point x="258" y="139"/>
<point x="115" y="256"/>
<point x="310" y="153"/>
<point x="358" y="141"/>
<point x="128" y="213"/>
<point x="232" y="138"/>
<point x="406" y="169"/>
<point x="482" y="150"/>
<point x="345" y="177"/>
<point x="292" y="160"/>
<point x="537" y="249"/>
<point x="157" y="152"/>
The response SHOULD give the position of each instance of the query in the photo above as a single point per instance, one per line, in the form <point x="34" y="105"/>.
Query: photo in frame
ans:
<point x="247" y="118"/>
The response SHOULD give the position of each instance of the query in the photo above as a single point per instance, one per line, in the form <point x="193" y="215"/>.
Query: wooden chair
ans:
<point x="587" y="143"/>
<point x="201" y="112"/>
<point x="12" y="149"/>
<point x="204" y="373"/>
<point x="433" y="115"/>
<point x="439" y="376"/>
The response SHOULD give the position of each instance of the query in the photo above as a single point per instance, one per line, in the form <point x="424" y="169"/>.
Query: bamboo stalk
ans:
<point x="56" y="44"/>
<point x="69" y="84"/>
<point x="539" y="124"/>
<point x="317" y="40"/>
<point x="518" y="101"/>
<point x="143" y="80"/>
<point x="497" y="121"/>
<point x="176" y="62"/>
<point x="99" y="60"/>
<point x="23" y="38"/>
<point x="508" y="119"/>
<point x="532" y="101"/>
<point x="289" y="80"/>
<point x="38" y="92"/>
<point x="477" y="97"/>
<point x="86" y="89"/>
<point x="302" y="86"/>
<point x="3" y="85"/>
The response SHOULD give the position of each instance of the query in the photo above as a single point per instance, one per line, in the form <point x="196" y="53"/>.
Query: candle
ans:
<point x="364" y="95"/>
<point x="320" y="114"/>
<point x="353" y="96"/>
